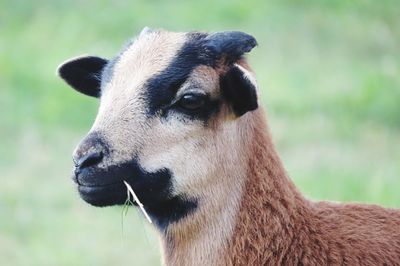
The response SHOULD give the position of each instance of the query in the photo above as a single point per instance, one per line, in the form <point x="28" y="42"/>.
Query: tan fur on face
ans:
<point x="173" y="139"/>
<point x="205" y="161"/>
<point x="213" y="175"/>
<point x="203" y="79"/>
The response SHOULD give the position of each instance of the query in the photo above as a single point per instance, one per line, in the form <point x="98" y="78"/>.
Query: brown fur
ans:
<point x="277" y="226"/>
<point x="273" y="224"/>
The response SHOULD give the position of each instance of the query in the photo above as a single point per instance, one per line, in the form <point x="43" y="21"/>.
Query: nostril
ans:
<point x="89" y="159"/>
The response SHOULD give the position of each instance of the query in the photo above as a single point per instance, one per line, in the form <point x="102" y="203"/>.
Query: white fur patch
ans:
<point x="121" y="116"/>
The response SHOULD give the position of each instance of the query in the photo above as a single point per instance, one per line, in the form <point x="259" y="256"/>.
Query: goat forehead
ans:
<point x="142" y="58"/>
<point x="124" y="80"/>
<point x="153" y="68"/>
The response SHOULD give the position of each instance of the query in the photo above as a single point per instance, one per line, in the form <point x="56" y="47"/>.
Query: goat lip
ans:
<point x="103" y="195"/>
<point x="98" y="186"/>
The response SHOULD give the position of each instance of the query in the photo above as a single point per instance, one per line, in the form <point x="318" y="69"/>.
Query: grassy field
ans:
<point x="330" y="78"/>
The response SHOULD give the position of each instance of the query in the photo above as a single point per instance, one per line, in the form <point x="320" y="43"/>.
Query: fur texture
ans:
<point x="276" y="225"/>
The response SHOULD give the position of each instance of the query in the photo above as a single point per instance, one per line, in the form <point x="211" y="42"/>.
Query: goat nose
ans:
<point x="91" y="158"/>
<point x="89" y="152"/>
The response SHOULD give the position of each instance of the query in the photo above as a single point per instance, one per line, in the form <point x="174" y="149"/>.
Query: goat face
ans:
<point x="168" y="102"/>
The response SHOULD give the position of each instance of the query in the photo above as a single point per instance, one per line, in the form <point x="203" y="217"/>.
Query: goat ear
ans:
<point x="83" y="74"/>
<point x="239" y="90"/>
<point x="231" y="43"/>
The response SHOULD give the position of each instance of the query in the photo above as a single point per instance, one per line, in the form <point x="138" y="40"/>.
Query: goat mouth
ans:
<point x="105" y="187"/>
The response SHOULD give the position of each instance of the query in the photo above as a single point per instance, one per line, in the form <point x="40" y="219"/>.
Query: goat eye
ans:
<point x="192" y="101"/>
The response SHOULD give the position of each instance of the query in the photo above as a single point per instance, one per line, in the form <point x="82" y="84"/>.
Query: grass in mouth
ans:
<point x="136" y="199"/>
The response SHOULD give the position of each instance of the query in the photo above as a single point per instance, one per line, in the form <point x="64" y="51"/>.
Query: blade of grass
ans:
<point x="137" y="201"/>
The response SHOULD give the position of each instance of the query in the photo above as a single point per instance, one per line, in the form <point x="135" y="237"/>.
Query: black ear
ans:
<point x="83" y="74"/>
<point x="231" y="43"/>
<point x="239" y="91"/>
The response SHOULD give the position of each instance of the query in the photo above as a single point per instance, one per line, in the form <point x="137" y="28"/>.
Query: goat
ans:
<point x="179" y="120"/>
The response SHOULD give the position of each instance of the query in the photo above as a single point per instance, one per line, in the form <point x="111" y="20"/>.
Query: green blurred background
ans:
<point x="330" y="78"/>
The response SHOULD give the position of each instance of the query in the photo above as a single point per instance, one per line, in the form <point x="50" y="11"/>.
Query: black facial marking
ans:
<point x="152" y="188"/>
<point x="84" y="74"/>
<point x="204" y="49"/>
<point x="161" y="89"/>
<point x="171" y="210"/>
<point x="238" y="91"/>
<point x="154" y="191"/>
